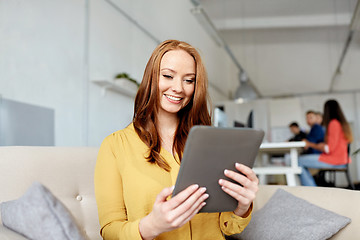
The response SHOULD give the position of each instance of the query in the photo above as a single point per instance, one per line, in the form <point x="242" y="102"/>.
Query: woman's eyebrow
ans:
<point x="171" y="70"/>
<point x="167" y="69"/>
<point x="190" y="74"/>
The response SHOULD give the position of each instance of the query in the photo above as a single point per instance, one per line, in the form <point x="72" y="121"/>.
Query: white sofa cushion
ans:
<point x="38" y="215"/>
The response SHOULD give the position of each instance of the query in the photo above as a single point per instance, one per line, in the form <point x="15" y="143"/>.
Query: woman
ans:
<point x="137" y="166"/>
<point x="334" y="150"/>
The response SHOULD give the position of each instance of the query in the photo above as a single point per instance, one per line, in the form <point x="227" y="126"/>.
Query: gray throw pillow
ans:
<point x="286" y="216"/>
<point x="39" y="215"/>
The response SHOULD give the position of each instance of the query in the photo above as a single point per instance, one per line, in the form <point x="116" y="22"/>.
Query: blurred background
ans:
<point x="268" y="61"/>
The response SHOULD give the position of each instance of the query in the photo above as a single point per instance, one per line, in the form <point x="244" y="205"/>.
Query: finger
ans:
<point x="164" y="194"/>
<point x="192" y="202"/>
<point x="240" y="179"/>
<point x="246" y="192"/>
<point x="233" y="186"/>
<point x="182" y="196"/>
<point x="243" y="200"/>
<point x="184" y="210"/>
<point x="192" y="213"/>
<point x="247" y="172"/>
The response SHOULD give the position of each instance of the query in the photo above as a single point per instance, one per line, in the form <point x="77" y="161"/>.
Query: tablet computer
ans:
<point x="208" y="152"/>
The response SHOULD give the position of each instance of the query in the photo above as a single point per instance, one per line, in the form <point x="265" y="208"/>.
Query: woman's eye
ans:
<point x="189" y="81"/>
<point x="167" y="76"/>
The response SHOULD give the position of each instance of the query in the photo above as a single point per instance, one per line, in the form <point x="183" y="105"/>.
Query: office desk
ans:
<point x="279" y="148"/>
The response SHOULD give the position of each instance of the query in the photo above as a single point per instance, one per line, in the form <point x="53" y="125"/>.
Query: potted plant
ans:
<point x="125" y="77"/>
<point x="124" y="81"/>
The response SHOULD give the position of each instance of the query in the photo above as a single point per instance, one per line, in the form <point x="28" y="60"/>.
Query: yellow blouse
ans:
<point x="126" y="186"/>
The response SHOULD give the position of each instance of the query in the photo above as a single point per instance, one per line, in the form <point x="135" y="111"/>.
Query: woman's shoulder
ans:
<point x="127" y="133"/>
<point x="122" y="140"/>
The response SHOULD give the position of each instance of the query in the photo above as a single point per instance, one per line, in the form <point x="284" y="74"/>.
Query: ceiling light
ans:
<point x="245" y="92"/>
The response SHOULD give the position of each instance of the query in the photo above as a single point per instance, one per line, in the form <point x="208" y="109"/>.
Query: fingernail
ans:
<point x="206" y="196"/>
<point x="195" y="186"/>
<point x="237" y="164"/>
<point x="203" y="189"/>
<point x="221" y="181"/>
<point x="203" y="204"/>
<point x="226" y="171"/>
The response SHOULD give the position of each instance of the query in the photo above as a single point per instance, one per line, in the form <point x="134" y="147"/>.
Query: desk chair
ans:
<point x="332" y="173"/>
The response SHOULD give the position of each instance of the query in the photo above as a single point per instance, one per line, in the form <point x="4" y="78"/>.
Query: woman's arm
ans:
<point x="109" y="196"/>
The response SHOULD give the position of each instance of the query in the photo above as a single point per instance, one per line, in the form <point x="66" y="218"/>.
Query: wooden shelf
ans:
<point x="123" y="87"/>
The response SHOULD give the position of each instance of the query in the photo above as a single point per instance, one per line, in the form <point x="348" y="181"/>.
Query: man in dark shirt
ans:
<point x="298" y="134"/>
<point x="316" y="134"/>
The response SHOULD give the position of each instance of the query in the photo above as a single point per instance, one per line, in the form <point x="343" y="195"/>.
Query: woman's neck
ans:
<point x="167" y="124"/>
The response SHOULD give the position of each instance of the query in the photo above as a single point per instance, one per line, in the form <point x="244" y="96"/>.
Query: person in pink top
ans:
<point x="334" y="151"/>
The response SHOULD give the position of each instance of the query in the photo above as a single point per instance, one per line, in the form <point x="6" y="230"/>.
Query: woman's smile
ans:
<point x="173" y="99"/>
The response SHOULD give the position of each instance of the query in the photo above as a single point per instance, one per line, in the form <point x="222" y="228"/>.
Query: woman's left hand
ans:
<point x="245" y="191"/>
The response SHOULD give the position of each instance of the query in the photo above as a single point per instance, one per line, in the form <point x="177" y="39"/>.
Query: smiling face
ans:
<point x="176" y="81"/>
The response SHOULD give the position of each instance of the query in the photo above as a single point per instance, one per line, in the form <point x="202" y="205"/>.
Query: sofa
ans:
<point x="68" y="173"/>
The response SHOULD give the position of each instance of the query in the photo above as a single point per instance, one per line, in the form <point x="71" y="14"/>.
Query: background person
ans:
<point x="137" y="166"/>
<point x="316" y="134"/>
<point x="334" y="149"/>
<point x="319" y="118"/>
<point x="299" y="135"/>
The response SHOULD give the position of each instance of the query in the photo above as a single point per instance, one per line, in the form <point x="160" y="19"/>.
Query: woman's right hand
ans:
<point x="170" y="214"/>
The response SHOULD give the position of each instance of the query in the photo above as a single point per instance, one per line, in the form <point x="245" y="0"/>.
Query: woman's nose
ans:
<point x="177" y="85"/>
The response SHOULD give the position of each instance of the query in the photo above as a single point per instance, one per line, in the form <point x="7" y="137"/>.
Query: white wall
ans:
<point x="50" y="52"/>
<point x="41" y="60"/>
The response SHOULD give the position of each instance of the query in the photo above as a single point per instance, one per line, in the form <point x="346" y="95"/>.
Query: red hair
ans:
<point x="147" y="102"/>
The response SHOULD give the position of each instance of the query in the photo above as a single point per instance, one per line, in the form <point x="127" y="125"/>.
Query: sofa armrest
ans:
<point x="7" y="234"/>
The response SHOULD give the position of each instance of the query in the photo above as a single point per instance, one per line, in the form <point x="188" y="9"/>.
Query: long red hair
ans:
<point x="147" y="103"/>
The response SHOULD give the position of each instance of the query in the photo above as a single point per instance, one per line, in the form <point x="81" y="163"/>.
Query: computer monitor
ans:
<point x="23" y="124"/>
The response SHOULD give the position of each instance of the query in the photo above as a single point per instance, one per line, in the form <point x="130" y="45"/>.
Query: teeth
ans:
<point x="173" y="98"/>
